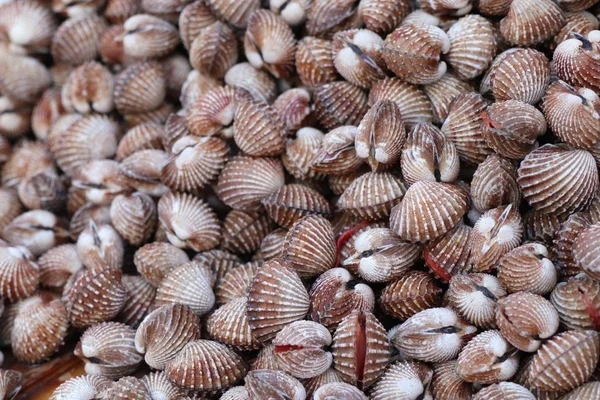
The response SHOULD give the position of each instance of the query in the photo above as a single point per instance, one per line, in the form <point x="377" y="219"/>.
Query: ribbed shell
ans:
<point x="573" y="114"/>
<point x="518" y="74"/>
<point x="294" y="108"/>
<point x="214" y="50"/>
<point x="578" y="302"/>
<point x="236" y="282"/>
<point x="530" y="22"/>
<point x="134" y="217"/>
<point x="412" y="101"/>
<point x="472" y="46"/>
<point x="404" y="380"/>
<point x="141" y="137"/>
<point x="235" y="13"/>
<point x="219" y="262"/>
<point x="448" y="255"/>
<point x="229" y="325"/>
<point x="463" y="127"/>
<point x="565" y="361"/>
<point x="585" y="251"/>
<point x="528" y="268"/>
<point x="244" y="231"/>
<point x="442" y="94"/>
<point x="357" y="56"/>
<point x="361" y="351"/>
<point x="412" y="293"/>
<point x="126" y="388"/>
<point x="558" y="180"/>
<point x="154" y="260"/>
<point x="504" y="391"/>
<point x="92" y="384"/>
<point x="540" y="227"/>
<point x="581" y="22"/>
<point x="475" y="297"/>
<point x="314" y="62"/>
<point x="57" y="265"/>
<point x="495" y="233"/>
<point x="576" y="62"/>
<point x="292" y="202"/>
<point x="511" y="127"/>
<point x="383" y="16"/>
<point x="258" y="83"/>
<point x="494" y="184"/>
<point x="276" y="298"/>
<point x="77" y="40"/>
<point x="164" y="332"/>
<point x="293" y="12"/>
<point x="337" y="154"/>
<point x="189" y="221"/>
<point x="97" y="295"/>
<point x="586" y="391"/>
<point x="339" y="103"/>
<point x="188" y="284"/>
<point x="300" y="152"/>
<point x="236" y="393"/>
<point x="212" y="113"/>
<point x="564" y="241"/>
<point x="140" y="298"/>
<point x="142" y="171"/>
<point x="269" y="43"/>
<point x="487" y="358"/>
<point x="372" y="195"/>
<point x="158" y="386"/>
<point x="338" y="390"/>
<point x="268" y="384"/>
<point x="19" y="274"/>
<point x="326" y="17"/>
<point x="447" y="385"/>
<point x="89" y="88"/>
<point x="194" y="17"/>
<point x="140" y="88"/>
<point x="428" y="210"/>
<point x="413" y="52"/>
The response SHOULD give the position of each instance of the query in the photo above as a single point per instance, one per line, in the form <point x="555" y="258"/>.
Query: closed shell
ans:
<point x="212" y="113"/>
<point x="442" y="94"/>
<point x="157" y="384"/>
<point x="140" y="299"/>
<point x="258" y="83"/>
<point x="214" y="50"/>
<point x="219" y="262"/>
<point x="339" y="103"/>
<point x="448" y="255"/>
<point x="410" y="294"/>
<point x="326" y="17"/>
<point x="357" y="56"/>
<point x="300" y="152"/>
<point x="265" y="384"/>
<point x="314" y="62"/>
<point x="141" y="137"/>
<point x="383" y="16"/>
<point x="472" y="46"/>
<point x="77" y="40"/>
<point x="475" y="297"/>
<point x="412" y="101"/>
<point x="235" y="13"/>
<point x="337" y="154"/>
<point x="19" y="274"/>
<point x="236" y="282"/>
<point x="229" y="325"/>
<point x="134" y="217"/>
<point x="504" y="391"/>
<point x="57" y="265"/>
<point x="338" y="390"/>
<point x="531" y="21"/>
<point x="292" y="202"/>
<point x="194" y="17"/>
<point x="93" y="384"/>
<point x="294" y="108"/>
<point x="528" y="268"/>
<point x="576" y="61"/>
<point x="89" y="88"/>
<point x="140" y="88"/>
<point x="585" y="250"/>
<point x="100" y="245"/>
<point x="154" y="260"/>
<point x="447" y="385"/>
<point x="578" y="302"/>
<point x="587" y="390"/>
<point x="494" y="184"/>
<point x="244" y="231"/>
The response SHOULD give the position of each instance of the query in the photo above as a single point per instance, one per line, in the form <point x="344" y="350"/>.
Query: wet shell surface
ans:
<point x="472" y="46"/>
<point x="448" y="255"/>
<point x="412" y="101"/>
<point x="494" y="184"/>
<point x="529" y="22"/>
<point x="528" y="268"/>
<point x="292" y="202"/>
<point x="576" y="61"/>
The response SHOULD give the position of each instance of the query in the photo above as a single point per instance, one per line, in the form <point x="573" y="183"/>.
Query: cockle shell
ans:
<point x="82" y="217"/>
<point x="164" y="332"/>
<point x="23" y="79"/>
<point x="447" y="385"/>
<point x="528" y="268"/>
<point x="585" y="251"/>
<point x="294" y="108"/>
<point x="236" y="14"/>
<point x="524" y="319"/>
<point x="148" y="37"/>
<point x="77" y="39"/>
<point x="229" y="325"/>
<point x="442" y="94"/>
<point x="108" y="350"/>
<point x="188" y="284"/>
<point x="258" y="83"/>
<point x="331" y="379"/>
<point x="37" y="230"/>
<point x="338" y="391"/>
<point x="419" y="217"/>
<point x="265" y="359"/>
<point x="432" y="335"/>
<point x="475" y="297"/>
<point x="141" y="137"/>
<point x="540" y="227"/>
<point x="126" y="388"/>
<point x="551" y="190"/>
<point x="357" y="56"/>
<point x="28" y="26"/>
<point x="219" y="262"/>
<point x="117" y="11"/>
<point x="10" y="206"/>
<point x="448" y="255"/>
<point x="383" y="16"/>
<point x="339" y="103"/>
<point x="565" y="361"/>
<point x="92" y="384"/>
<point x="494" y="184"/>
<point x="266" y="384"/>
<point x="100" y="245"/>
<point x="140" y="87"/>
<point x="205" y="365"/>
<point x="576" y="61"/>
<point x="529" y="22"/>
<point x="372" y="196"/>
<point x="47" y="110"/>
<point x="412" y="101"/>
<point x="404" y="380"/>
<point x="244" y="231"/>
<point x="236" y="282"/>
<point x="301" y="151"/>
<point x="587" y="390"/>
<point x="504" y="391"/>
<point x="142" y="171"/>
<point x="134" y="217"/>
<point x="380" y="256"/>
<point x="140" y="298"/>
<point x="578" y="302"/>
<point x="564" y="241"/>
<point x="158" y="115"/>
<point x="325" y="17"/>
<point x="409" y="295"/>
<point x="360" y="349"/>
<point x="293" y="12"/>
<point x="193" y="88"/>
<point x="89" y="88"/>
<point x="27" y="159"/>
<point x="40" y="326"/>
<point x="158" y="386"/>
<point x="212" y="113"/>
<point x="413" y="52"/>
<point x="581" y="22"/>
<point x="427" y="155"/>
<point x="487" y="358"/>
<point x="214" y="50"/>
<point x="276" y="298"/>
<point x="19" y="274"/>
<point x="44" y="190"/>
<point x="472" y="46"/>
<point x="292" y="202"/>
<point x="100" y="181"/>
<point x="11" y="383"/>
<point x="194" y="17"/>
<point x="314" y="61"/>
<point x="573" y="114"/>
<point x="57" y="265"/>
<point x="337" y="154"/>
<point x="463" y="127"/>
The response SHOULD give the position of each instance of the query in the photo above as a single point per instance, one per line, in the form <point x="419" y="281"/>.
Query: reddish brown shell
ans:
<point x="505" y="391"/>
<point x="564" y="241"/>
<point x="236" y="14"/>
<point x="244" y="231"/>
<point x="339" y="103"/>
<point x="236" y="282"/>
<point x="140" y="88"/>
<point x="314" y="62"/>
<point x="265" y="384"/>
<point x="214" y="50"/>
<point x="300" y="153"/>
<point x="412" y="101"/>
<point x="494" y="184"/>
<point x="326" y="17"/>
<point x="292" y="202"/>
<point x="576" y="61"/>
<point x="530" y="22"/>
<point x="442" y="94"/>
<point x="383" y="16"/>
<point x="357" y="56"/>
<point x="475" y="297"/>
<point x="578" y="302"/>
<point x="154" y="260"/>
<point x="337" y="154"/>
<point x="472" y="46"/>
<point x="140" y="299"/>
<point x="414" y="292"/>
<point x="77" y="39"/>
<point x="449" y="254"/>
<point x="528" y="268"/>
<point x="447" y="385"/>
<point x="19" y="274"/>
<point x="258" y="83"/>
<point x="229" y="325"/>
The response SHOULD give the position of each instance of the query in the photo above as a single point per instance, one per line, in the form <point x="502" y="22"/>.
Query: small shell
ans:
<point x="404" y="380"/>
<point x="586" y="391"/>
<point x="276" y="298"/>
<point x="194" y="18"/>
<point x="23" y="79"/>
<point x="44" y="190"/>
<point x="229" y="325"/>
<point x="447" y="385"/>
<point x="108" y="350"/>
<point x="540" y="227"/>
<point x="337" y="154"/>
<point x="92" y="384"/>
<point x="550" y="189"/>
<point x="159" y="387"/>
<point x="293" y="12"/>
<point x="578" y="302"/>
<point x="409" y="295"/>
<point x="361" y="351"/>
<point x="269" y="43"/>
<point x="10" y="383"/>
<point x="97" y="295"/>
<point x="314" y="62"/>
<point x="140" y="88"/>
<point x="258" y="83"/>
<point x="585" y="251"/>
<point x="257" y="128"/>
<point x="141" y="137"/>
<point x="100" y="245"/>
<point x="219" y="262"/>
<point x="89" y="88"/>
<point x="432" y="335"/>
<point x="300" y="152"/>
<point x="15" y="118"/>
<point x="565" y="361"/>
<point x="573" y="114"/>
<point x="429" y="156"/>
<point x="47" y="110"/>
<point x="381" y="256"/>
<point x="26" y="159"/>
<point x="236" y="282"/>
<point x="267" y="384"/>
<point x="244" y="231"/>
<point x="125" y="388"/>
<point x="40" y="327"/>
<point x="412" y="53"/>
<point x="142" y="171"/>
<point x="504" y="391"/>
<point x="494" y="184"/>
<point x="448" y="255"/>
<point x="147" y="37"/>
<point x="475" y="297"/>
<point x="472" y="46"/>
<point x="564" y="241"/>
<point x="338" y="391"/>
<point x="77" y="40"/>
<point x="381" y="135"/>
<point x="117" y="11"/>
<point x="134" y="217"/>
<point x="576" y="61"/>
<point x="487" y="358"/>
<point x="442" y="94"/>
<point x="529" y="22"/>
<point x="428" y="210"/>
<point x="235" y="13"/>
<point x="140" y="298"/>
<point x="28" y="27"/>
<point x="82" y="217"/>
<point x="495" y="233"/>
<point x="189" y="221"/>
<point x="214" y="50"/>
<point x="357" y="56"/>
<point x="327" y="17"/>
<point x="158" y="115"/>
<point x="372" y="196"/>
<point x="524" y="319"/>
<point x="292" y="202"/>
<point x="511" y="128"/>
<point x="164" y="332"/>
<point x="339" y="103"/>
<point x="205" y="365"/>
<point x="188" y="284"/>
<point x="581" y="22"/>
<point x="293" y="107"/>
<point x="412" y="101"/>
<point x="212" y="113"/>
<point x="57" y="265"/>
<point x="37" y="230"/>
<point x="528" y="268"/>
<point x="383" y="16"/>
<point x="518" y="74"/>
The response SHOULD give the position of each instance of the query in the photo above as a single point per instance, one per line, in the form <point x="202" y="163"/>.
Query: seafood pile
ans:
<point x="302" y="199"/>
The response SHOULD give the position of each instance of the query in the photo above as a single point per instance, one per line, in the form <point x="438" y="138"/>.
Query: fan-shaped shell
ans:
<point x="229" y="325"/>
<point x="158" y="386"/>
<point x="412" y="101"/>
<point x="447" y="385"/>
<point x="585" y="250"/>
<point x="19" y="274"/>
<point x="494" y="184"/>
<point x="578" y="302"/>
<point x="292" y="202"/>
<point x="531" y="21"/>
<point x="258" y="83"/>
<point x="410" y="294"/>
<point x="576" y="61"/>
<point x="339" y="103"/>
<point x="382" y="16"/>
<point x="214" y="50"/>
<point x="93" y="384"/>
<point x="337" y="154"/>
<point x="357" y="56"/>
<point x="442" y="94"/>
<point x="338" y="390"/>
<point x="140" y="298"/>
<point x="504" y="391"/>
<point x="472" y="46"/>
<point x="314" y="61"/>
<point x="236" y="282"/>
<point x="77" y="39"/>
<point x="140" y="88"/>
<point x="235" y="13"/>
<point x="154" y="260"/>
<point x="265" y="384"/>
<point x="448" y="255"/>
<point x="528" y="268"/>
<point x="327" y="17"/>
<point x="134" y="217"/>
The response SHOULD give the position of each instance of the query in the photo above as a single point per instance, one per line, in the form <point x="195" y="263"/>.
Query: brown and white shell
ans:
<point x="77" y="40"/>
<point x="337" y="155"/>
<point x="158" y="386"/>
<point x="338" y="391"/>
<point x="442" y="94"/>
<point x="214" y="50"/>
<point x="361" y="351"/>
<point x="357" y="56"/>
<point x="339" y="103"/>
<point x="89" y="88"/>
<point x="413" y="102"/>
<point x="494" y="184"/>
<point x="326" y="17"/>
<point x="428" y="210"/>
<point x="229" y="325"/>
<point x="578" y="302"/>
<point x="37" y="230"/>
<point x="276" y="298"/>
<point x="236" y="282"/>
<point x="530" y="22"/>
<point x="550" y="176"/>
<point x="293" y="12"/>
<point x="447" y="385"/>
<point x="93" y="384"/>
<point x="448" y="255"/>
<point x="540" y="227"/>
<point x="236" y="14"/>
<point x="164" y="332"/>
<point x="141" y="137"/>
<point x="10" y="206"/>
<point x="140" y="299"/>
<point x="314" y="62"/>
<point x="585" y="251"/>
<point x="409" y="295"/>
<point x="100" y="245"/>
<point x="475" y="297"/>
<point x="564" y="241"/>
<point x="504" y="390"/>
<point x="372" y="195"/>
<point x="219" y="262"/>
<point x="82" y="217"/>
<point x="142" y="171"/>
<point x="472" y="46"/>
<point x="266" y="384"/>
<point x="147" y="37"/>
<point x="301" y="151"/>
<point x="528" y="268"/>
<point x="140" y="87"/>
<point x="579" y="21"/>
<point x="258" y="83"/>
<point x="194" y="17"/>
<point x="383" y="16"/>
<point x="57" y="265"/>
<point x="294" y="108"/>
<point x="576" y="61"/>
<point x="126" y="388"/>
<point x="205" y="365"/>
<point x="134" y="217"/>
<point x="244" y="231"/>
<point x="292" y="202"/>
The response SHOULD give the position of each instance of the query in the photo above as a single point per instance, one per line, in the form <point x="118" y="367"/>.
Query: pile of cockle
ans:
<point x="302" y="199"/>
